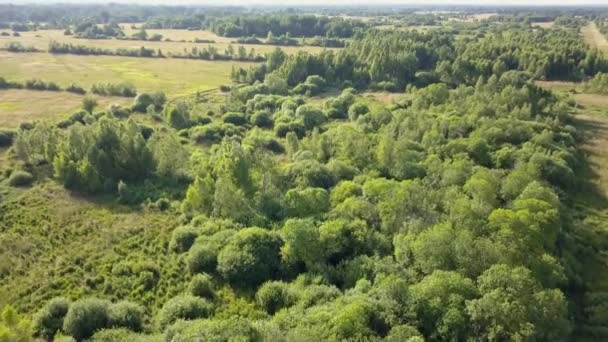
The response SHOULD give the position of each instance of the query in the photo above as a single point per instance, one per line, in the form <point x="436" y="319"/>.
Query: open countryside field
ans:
<point x="175" y="77"/>
<point x="181" y="39"/>
<point x="21" y="105"/>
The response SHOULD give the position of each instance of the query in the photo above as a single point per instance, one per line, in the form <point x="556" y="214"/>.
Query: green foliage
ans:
<point x="184" y="307"/>
<point x="96" y="157"/>
<point x="86" y="316"/>
<point x="126" y="315"/>
<point x="233" y="329"/>
<point x="273" y="296"/>
<point x="20" y="178"/>
<point x="13" y="327"/>
<point x="250" y="257"/>
<point x="49" y="320"/>
<point x="201" y="285"/>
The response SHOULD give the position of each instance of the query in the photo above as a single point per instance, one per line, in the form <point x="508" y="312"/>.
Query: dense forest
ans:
<point x="295" y="206"/>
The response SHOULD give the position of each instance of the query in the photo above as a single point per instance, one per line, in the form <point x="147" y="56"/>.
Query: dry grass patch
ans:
<point x="20" y="105"/>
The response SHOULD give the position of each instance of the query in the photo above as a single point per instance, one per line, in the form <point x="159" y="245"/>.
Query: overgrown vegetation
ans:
<point x="291" y="206"/>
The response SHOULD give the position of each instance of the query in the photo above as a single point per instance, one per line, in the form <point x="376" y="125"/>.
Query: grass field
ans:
<point x="173" y="76"/>
<point x="594" y="37"/>
<point x="41" y="39"/>
<point x="20" y="105"/>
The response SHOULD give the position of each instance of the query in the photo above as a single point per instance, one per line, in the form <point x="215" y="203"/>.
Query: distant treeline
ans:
<point x="209" y="53"/>
<point x="260" y="25"/>
<point x="285" y="40"/>
<point x="102" y="89"/>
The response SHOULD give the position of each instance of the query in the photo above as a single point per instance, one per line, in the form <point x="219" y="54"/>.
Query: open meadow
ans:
<point x="22" y="105"/>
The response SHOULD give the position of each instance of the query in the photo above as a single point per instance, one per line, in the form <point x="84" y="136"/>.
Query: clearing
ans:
<point x="21" y="105"/>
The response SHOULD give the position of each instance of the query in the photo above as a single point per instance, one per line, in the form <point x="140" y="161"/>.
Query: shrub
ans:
<point x="202" y="258"/>
<point x="262" y="119"/>
<point x="235" y="118"/>
<point x="49" y="320"/>
<point x="201" y="285"/>
<point x="6" y="138"/>
<point x="85" y="317"/>
<point x="183" y="238"/>
<point x="273" y="296"/>
<point x="127" y="315"/>
<point x="233" y="329"/>
<point x="251" y="256"/>
<point x="121" y="335"/>
<point x="184" y="307"/>
<point x="20" y="178"/>
<point x="76" y="89"/>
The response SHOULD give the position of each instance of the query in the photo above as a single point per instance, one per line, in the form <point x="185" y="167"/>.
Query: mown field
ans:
<point x="21" y="105"/>
<point x="594" y="37"/>
<point x="180" y="40"/>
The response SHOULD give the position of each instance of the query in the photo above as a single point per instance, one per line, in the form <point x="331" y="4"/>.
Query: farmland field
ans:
<point x="174" y="76"/>
<point x="20" y="105"/>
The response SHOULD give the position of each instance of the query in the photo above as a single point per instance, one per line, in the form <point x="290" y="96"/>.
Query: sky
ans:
<point x="335" y="2"/>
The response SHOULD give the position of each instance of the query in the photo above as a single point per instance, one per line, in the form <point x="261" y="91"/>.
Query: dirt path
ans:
<point x="594" y="37"/>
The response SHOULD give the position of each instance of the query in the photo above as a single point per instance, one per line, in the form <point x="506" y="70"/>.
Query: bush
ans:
<point x="49" y="320"/>
<point x="202" y="258"/>
<point x="85" y="317"/>
<point x="251" y="256"/>
<point x="233" y="329"/>
<point x="184" y="307"/>
<point x="6" y="138"/>
<point x="127" y="315"/>
<point x="262" y="119"/>
<point x="20" y="178"/>
<point x="121" y="335"/>
<point x="182" y="239"/>
<point x="76" y="89"/>
<point x="201" y="285"/>
<point x="235" y="118"/>
<point x="273" y="296"/>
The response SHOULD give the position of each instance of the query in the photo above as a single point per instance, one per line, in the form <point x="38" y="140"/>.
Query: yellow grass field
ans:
<point x="40" y="40"/>
<point x="175" y="77"/>
<point x="20" y="105"/>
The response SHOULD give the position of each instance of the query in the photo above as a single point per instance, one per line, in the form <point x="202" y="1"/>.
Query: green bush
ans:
<point x="6" y="138"/>
<point x="85" y="317"/>
<point x="20" y="178"/>
<point x="235" y="118"/>
<point x="273" y="296"/>
<point x="185" y="307"/>
<point x="49" y="320"/>
<point x="183" y="238"/>
<point x="201" y="285"/>
<point x="126" y="315"/>
<point x="201" y="259"/>
<point x="251" y="256"/>
<point x="233" y="329"/>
